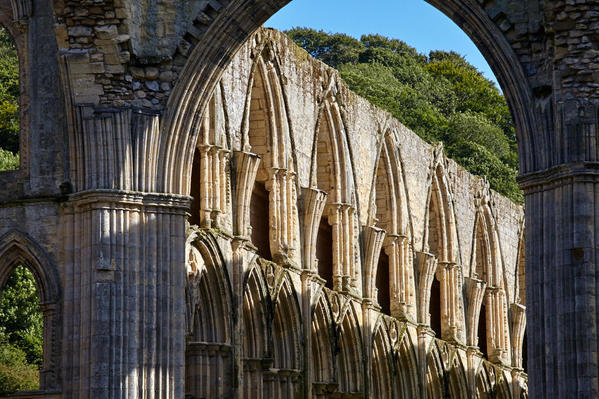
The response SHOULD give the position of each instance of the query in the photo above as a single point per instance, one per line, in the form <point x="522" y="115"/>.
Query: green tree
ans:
<point x="8" y="160"/>
<point x="332" y="49"/>
<point x="21" y="322"/>
<point x="21" y="333"/>
<point x="9" y="93"/>
<point x="15" y="373"/>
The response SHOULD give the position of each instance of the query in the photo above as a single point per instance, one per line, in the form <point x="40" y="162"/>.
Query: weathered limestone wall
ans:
<point x="280" y="117"/>
<point x="305" y="82"/>
<point x="110" y="117"/>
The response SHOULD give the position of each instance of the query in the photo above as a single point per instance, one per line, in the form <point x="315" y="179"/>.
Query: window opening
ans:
<point x="21" y="333"/>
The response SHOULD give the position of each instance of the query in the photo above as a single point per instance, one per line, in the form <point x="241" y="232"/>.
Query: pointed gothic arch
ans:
<point x="208" y="352"/>
<point x="287" y="328"/>
<point x="484" y="384"/>
<point x="266" y="131"/>
<point x="389" y="211"/>
<point x="408" y="368"/>
<point x="349" y="357"/>
<point x="323" y="342"/>
<point x="17" y="248"/>
<point x="255" y="338"/>
<point x="210" y="174"/>
<point x="440" y="234"/>
<point x="383" y="370"/>
<point x="457" y="379"/>
<point x="332" y="172"/>
<point x="487" y="265"/>
<point x="440" y="241"/>
<point x="256" y="302"/>
<point x="282" y="381"/>
<point x="435" y="384"/>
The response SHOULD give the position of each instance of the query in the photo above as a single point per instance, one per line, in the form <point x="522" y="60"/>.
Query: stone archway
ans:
<point x="556" y="124"/>
<point x="544" y="57"/>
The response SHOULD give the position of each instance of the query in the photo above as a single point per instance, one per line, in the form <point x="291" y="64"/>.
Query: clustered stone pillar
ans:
<point x="562" y="290"/>
<point x="126" y="271"/>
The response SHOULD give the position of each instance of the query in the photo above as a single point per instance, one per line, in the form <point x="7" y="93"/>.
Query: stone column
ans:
<point x="562" y="279"/>
<point x="124" y="295"/>
<point x="452" y="308"/>
<point x="401" y="279"/>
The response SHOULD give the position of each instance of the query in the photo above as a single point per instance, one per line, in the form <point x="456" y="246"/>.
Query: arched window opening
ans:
<point x="9" y="102"/>
<point x="21" y="333"/>
<point x="382" y="373"/>
<point x="259" y="220"/>
<point x="382" y="283"/>
<point x="195" y="190"/>
<point x="435" y="307"/>
<point x="208" y="354"/>
<point x="482" y="331"/>
<point x="324" y="242"/>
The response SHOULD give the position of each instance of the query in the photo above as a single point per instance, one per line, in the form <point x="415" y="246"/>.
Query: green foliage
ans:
<point x="15" y="373"/>
<point x="440" y="97"/>
<point x="21" y="322"/>
<point x="8" y="160"/>
<point x="9" y="94"/>
<point x="21" y="333"/>
<point x="332" y="49"/>
<point x="480" y="161"/>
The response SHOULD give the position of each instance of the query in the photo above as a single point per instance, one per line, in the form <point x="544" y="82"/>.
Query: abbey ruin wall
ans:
<point x="305" y="83"/>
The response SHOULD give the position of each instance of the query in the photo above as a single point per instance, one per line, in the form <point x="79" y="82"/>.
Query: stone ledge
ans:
<point x="104" y="198"/>
<point x="577" y="170"/>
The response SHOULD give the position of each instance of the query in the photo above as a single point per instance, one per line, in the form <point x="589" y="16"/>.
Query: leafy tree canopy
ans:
<point x="9" y="99"/>
<point x="441" y="97"/>
<point x="21" y="333"/>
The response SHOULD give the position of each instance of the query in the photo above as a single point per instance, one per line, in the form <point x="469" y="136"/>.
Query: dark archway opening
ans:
<point x="482" y="331"/>
<point x="259" y="220"/>
<point x="195" y="192"/>
<point x="435" y="307"/>
<point x="324" y="252"/>
<point x="382" y="283"/>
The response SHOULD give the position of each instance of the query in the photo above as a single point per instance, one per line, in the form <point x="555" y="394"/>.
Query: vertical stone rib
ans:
<point x="373" y="240"/>
<point x="518" y="315"/>
<point x="246" y="169"/>
<point x="475" y="291"/>
<point x="314" y="201"/>
<point x="427" y="266"/>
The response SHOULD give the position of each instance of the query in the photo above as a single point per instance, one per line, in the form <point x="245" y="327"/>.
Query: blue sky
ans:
<point x="413" y="21"/>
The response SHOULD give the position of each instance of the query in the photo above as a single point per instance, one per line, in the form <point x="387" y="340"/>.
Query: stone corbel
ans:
<point x="475" y="292"/>
<point x="246" y="169"/>
<point x="314" y="201"/>
<point x="374" y="238"/>
<point x="427" y="266"/>
<point x="518" y="313"/>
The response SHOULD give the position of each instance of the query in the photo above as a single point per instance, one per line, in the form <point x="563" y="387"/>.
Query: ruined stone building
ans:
<point x="207" y="210"/>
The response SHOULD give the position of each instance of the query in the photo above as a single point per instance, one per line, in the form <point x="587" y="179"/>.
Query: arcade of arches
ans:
<point x="327" y="251"/>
